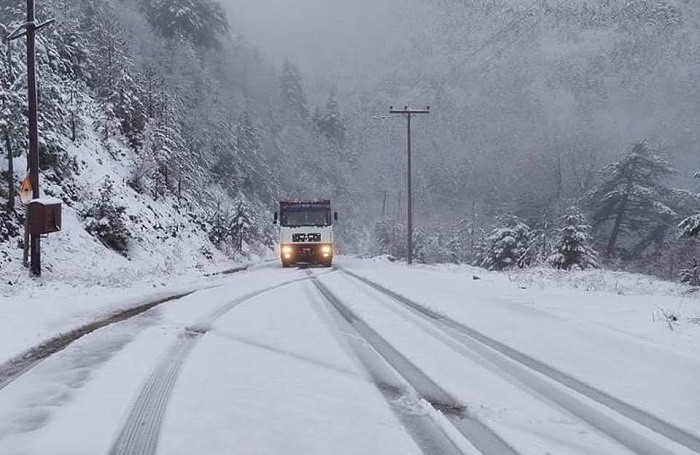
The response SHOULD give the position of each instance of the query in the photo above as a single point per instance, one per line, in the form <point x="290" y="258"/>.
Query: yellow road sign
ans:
<point x="26" y="191"/>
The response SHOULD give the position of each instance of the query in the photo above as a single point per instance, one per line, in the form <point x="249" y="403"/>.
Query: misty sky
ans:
<point x="329" y="39"/>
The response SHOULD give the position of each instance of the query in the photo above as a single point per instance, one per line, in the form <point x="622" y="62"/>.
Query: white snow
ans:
<point x="611" y="341"/>
<point x="274" y="375"/>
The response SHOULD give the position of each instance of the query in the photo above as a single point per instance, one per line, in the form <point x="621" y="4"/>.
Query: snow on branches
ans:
<point x="573" y="243"/>
<point x="508" y="245"/>
<point x="105" y="220"/>
<point x="690" y="227"/>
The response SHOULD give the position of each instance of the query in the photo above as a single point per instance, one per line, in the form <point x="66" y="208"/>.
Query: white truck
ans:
<point x="306" y="232"/>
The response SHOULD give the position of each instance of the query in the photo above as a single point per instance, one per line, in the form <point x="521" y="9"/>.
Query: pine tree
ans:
<point x="691" y="275"/>
<point x="105" y="220"/>
<point x="241" y="226"/>
<point x="201" y="22"/>
<point x="389" y="237"/>
<point x="292" y="88"/>
<point x="330" y="124"/>
<point x="508" y="245"/>
<point x="12" y="120"/>
<point x="573" y="243"/>
<point x="690" y="227"/>
<point x="630" y="202"/>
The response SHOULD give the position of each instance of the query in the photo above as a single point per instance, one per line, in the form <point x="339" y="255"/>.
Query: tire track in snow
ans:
<point x="140" y="431"/>
<point x="17" y="366"/>
<point x="139" y="435"/>
<point x="25" y="361"/>
<point x="466" y="335"/>
<point x="474" y="430"/>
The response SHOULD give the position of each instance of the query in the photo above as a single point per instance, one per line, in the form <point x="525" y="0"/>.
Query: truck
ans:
<point x="306" y="232"/>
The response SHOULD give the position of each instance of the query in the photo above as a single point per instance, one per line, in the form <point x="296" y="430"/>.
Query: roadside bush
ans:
<point x="105" y="221"/>
<point x="572" y="247"/>
<point x="508" y="245"/>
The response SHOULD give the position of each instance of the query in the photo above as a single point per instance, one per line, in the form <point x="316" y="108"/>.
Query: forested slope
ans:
<point x="168" y="137"/>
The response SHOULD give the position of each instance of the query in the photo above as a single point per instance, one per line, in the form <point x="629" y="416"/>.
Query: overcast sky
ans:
<point x="329" y="39"/>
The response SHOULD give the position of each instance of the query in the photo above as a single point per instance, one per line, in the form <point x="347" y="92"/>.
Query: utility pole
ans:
<point x="408" y="113"/>
<point x="29" y="30"/>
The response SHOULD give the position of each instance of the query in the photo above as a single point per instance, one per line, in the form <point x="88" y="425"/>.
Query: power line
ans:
<point x="491" y="40"/>
<point x="455" y="47"/>
<point x="494" y="39"/>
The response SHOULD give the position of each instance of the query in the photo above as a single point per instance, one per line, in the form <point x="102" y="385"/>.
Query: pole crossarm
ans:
<point x="21" y="31"/>
<point x="407" y="110"/>
<point x="18" y="32"/>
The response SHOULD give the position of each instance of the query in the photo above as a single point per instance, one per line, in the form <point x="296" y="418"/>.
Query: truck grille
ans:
<point x="313" y="237"/>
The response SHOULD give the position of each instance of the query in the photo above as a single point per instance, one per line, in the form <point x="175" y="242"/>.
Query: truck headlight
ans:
<point x="287" y="249"/>
<point x="326" y="249"/>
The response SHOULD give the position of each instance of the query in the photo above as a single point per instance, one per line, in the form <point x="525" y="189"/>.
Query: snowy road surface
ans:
<point x="367" y="358"/>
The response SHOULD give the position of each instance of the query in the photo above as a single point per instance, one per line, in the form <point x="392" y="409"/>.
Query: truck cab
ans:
<point x="306" y="232"/>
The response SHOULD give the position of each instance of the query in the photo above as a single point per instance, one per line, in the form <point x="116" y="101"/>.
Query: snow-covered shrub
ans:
<point x="389" y="237"/>
<point x="690" y="227"/>
<point x="508" y="245"/>
<point x="572" y="247"/>
<point x="670" y="317"/>
<point x="691" y="275"/>
<point x="105" y="220"/>
<point x="241" y="226"/>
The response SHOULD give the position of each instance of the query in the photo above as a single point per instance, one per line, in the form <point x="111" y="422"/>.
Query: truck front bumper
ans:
<point x="314" y="253"/>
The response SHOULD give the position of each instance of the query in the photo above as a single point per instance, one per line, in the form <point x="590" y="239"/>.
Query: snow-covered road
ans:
<point x="368" y="358"/>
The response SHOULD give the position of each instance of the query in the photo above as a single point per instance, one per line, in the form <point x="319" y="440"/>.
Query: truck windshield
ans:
<point x="306" y="217"/>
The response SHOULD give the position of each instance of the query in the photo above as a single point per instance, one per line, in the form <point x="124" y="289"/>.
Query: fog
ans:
<point x="333" y="42"/>
<point x="530" y="100"/>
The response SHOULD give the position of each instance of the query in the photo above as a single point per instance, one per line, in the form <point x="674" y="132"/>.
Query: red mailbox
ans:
<point x="44" y="216"/>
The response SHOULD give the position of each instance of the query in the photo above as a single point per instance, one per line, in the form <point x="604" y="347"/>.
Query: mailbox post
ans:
<point x="44" y="216"/>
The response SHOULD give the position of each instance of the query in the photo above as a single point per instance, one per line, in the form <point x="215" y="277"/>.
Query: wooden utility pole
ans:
<point x="29" y="30"/>
<point x="408" y="113"/>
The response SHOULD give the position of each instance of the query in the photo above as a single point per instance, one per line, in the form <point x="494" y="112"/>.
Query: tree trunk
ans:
<point x="655" y="236"/>
<point x="616" y="228"/>
<point x="10" y="175"/>
<point x="72" y="114"/>
<point x="621" y="213"/>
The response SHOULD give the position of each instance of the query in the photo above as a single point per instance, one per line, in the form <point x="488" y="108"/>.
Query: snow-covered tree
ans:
<point x="690" y="227"/>
<point x="12" y="120"/>
<point x="507" y="245"/>
<point x="691" y="275"/>
<point x="389" y="237"/>
<point x="241" y="226"/>
<point x="104" y="219"/>
<point x="630" y="200"/>
<point x="292" y="89"/>
<point x="573" y="243"/>
<point x="202" y="22"/>
<point x="330" y="124"/>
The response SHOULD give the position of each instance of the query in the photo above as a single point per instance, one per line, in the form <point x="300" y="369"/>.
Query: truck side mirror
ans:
<point x="335" y="216"/>
<point x="275" y="220"/>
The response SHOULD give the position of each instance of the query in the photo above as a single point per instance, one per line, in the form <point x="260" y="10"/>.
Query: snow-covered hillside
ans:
<point x="166" y="157"/>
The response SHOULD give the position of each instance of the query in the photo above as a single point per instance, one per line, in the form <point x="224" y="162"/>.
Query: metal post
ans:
<point x="409" y="197"/>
